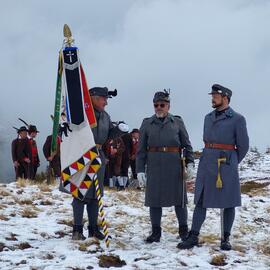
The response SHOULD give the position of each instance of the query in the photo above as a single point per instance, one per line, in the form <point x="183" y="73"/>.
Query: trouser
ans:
<point x="33" y="171"/>
<point x="200" y="214"/>
<point x="133" y="168"/>
<point x="23" y="170"/>
<point x="156" y="213"/>
<point x="124" y="165"/>
<point x="92" y="211"/>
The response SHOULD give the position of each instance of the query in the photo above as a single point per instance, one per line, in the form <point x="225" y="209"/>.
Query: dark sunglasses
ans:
<point x="161" y="105"/>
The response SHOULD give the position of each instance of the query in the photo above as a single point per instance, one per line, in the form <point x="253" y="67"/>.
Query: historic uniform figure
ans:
<point x="125" y="159"/>
<point x="217" y="183"/>
<point x="162" y="139"/>
<point x="21" y="154"/>
<point x="116" y="149"/>
<point x="53" y="158"/>
<point x="35" y="162"/>
<point x="134" y="148"/>
<point x="102" y="132"/>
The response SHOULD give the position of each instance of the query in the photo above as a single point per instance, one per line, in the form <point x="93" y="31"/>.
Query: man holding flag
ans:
<point x="103" y="131"/>
<point x="86" y="127"/>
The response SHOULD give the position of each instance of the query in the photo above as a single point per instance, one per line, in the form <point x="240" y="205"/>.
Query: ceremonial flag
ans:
<point x="73" y="118"/>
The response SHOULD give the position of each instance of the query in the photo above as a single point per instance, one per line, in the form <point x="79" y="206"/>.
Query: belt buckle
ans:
<point x="164" y="148"/>
<point x="211" y="145"/>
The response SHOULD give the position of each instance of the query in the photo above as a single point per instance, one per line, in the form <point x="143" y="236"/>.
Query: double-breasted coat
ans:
<point x="227" y="128"/>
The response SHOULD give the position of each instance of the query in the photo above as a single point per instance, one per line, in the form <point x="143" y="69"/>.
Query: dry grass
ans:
<point x="121" y="227"/>
<point x="40" y="178"/>
<point x="247" y="229"/>
<point x="38" y="196"/>
<point x="24" y="201"/>
<point x="40" y="182"/>
<point x="23" y="246"/>
<point x="29" y="213"/>
<point x="218" y="260"/>
<point x="209" y="238"/>
<point x="22" y="182"/>
<point x="4" y="193"/>
<point x="106" y="261"/>
<point x="253" y="187"/>
<point x="44" y="187"/>
<point x="264" y="247"/>
<point x="67" y="222"/>
<point x="240" y="248"/>
<point x="4" y="218"/>
<point x="121" y="245"/>
<point x="120" y="213"/>
<point x="3" y="206"/>
<point x="84" y="246"/>
<point x="130" y="198"/>
<point x="171" y="229"/>
<point x="46" y="202"/>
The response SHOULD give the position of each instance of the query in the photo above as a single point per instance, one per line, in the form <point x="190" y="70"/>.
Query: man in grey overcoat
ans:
<point x="102" y="132"/>
<point x="217" y="183"/>
<point x="163" y="136"/>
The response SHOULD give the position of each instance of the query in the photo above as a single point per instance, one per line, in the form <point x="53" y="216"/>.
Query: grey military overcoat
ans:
<point x="104" y="131"/>
<point x="228" y="128"/>
<point x="164" y="172"/>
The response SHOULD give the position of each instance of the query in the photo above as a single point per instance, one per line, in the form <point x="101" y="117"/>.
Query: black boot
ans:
<point x="183" y="232"/>
<point x="120" y="188"/>
<point x="93" y="231"/>
<point x="225" y="244"/>
<point x="155" y="235"/>
<point x="77" y="233"/>
<point x="191" y="241"/>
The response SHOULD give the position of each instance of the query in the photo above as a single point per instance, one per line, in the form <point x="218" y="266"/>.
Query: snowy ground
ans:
<point x="255" y="166"/>
<point x="35" y="231"/>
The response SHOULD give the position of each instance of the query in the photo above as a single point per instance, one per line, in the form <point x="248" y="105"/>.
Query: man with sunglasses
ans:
<point x="162" y="139"/>
<point x="217" y="183"/>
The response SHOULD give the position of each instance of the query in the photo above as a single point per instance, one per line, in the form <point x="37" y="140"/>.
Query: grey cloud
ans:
<point x="139" y="47"/>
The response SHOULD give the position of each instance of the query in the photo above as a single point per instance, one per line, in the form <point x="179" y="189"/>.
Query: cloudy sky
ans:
<point x="138" y="47"/>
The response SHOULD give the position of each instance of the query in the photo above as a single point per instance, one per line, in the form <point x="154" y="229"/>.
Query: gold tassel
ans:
<point x="219" y="183"/>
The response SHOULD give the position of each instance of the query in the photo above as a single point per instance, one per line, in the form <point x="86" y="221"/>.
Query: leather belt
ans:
<point x="220" y="146"/>
<point x="173" y="149"/>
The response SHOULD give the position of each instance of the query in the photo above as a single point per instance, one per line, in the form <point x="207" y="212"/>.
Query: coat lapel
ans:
<point x="226" y="114"/>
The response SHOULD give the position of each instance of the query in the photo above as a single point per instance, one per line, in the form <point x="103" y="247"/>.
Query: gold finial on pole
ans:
<point x="68" y="36"/>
